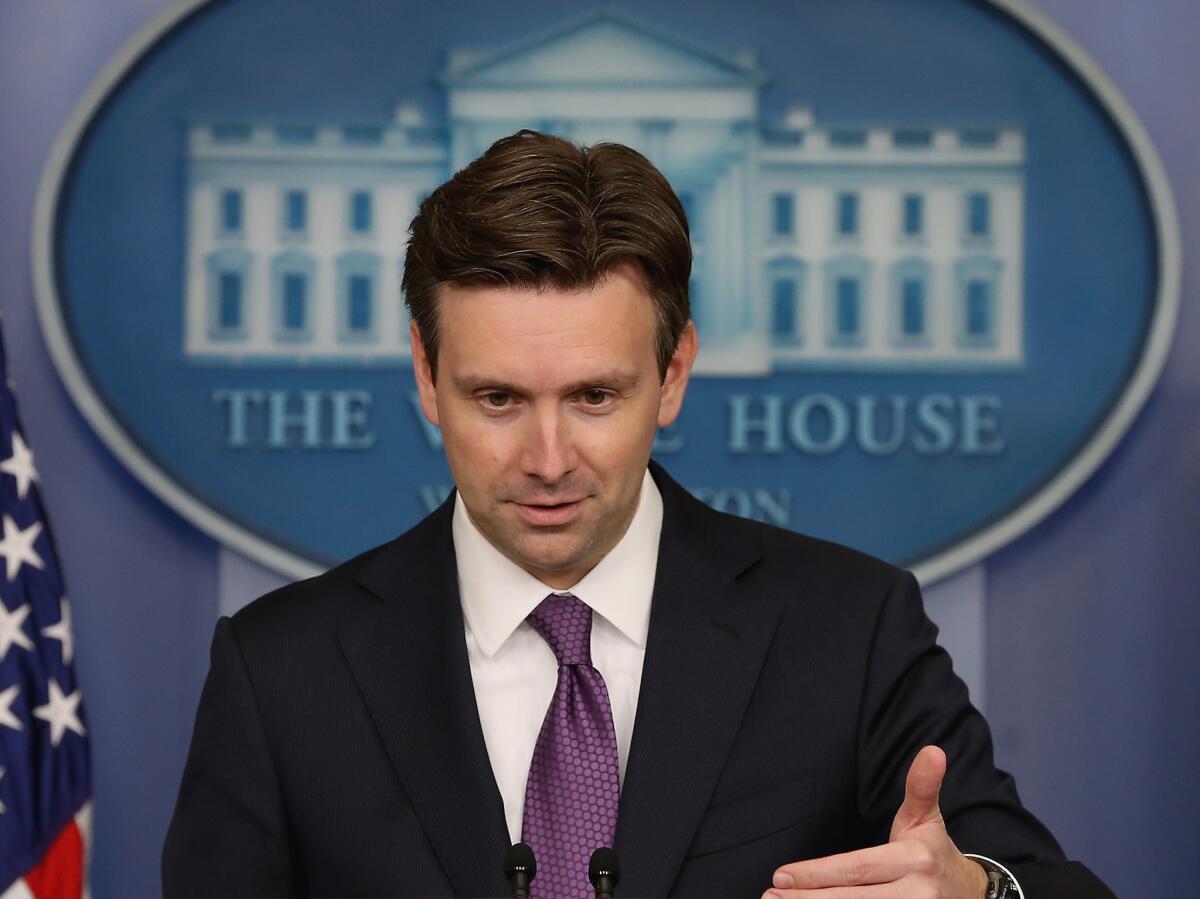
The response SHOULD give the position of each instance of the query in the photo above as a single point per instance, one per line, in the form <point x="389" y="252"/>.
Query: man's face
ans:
<point x="548" y="403"/>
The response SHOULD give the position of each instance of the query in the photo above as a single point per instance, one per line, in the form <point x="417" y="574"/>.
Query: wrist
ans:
<point x="979" y="880"/>
<point x="1000" y="883"/>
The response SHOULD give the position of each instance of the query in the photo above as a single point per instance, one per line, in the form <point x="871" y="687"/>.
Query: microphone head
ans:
<point x="519" y="858"/>
<point x="604" y="864"/>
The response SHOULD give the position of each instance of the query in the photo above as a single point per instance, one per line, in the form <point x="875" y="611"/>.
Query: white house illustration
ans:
<point x="842" y="246"/>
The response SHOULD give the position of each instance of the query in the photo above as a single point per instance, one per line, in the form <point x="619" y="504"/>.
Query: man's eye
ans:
<point x="596" y="397"/>
<point x="496" y="400"/>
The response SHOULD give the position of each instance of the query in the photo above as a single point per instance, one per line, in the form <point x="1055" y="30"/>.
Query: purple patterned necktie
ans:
<point x="572" y="792"/>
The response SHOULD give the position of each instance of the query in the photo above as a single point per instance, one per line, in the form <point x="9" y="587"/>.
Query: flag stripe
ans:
<point x="59" y="875"/>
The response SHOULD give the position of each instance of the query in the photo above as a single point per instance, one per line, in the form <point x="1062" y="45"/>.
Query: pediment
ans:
<point x="605" y="48"/>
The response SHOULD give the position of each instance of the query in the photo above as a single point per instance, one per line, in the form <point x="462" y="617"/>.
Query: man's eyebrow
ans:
<point x="614" y="381"/>
<point x="618" y="381"/>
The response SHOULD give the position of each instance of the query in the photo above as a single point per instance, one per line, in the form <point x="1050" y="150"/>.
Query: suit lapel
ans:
<point x="409" y="658"/>
<point x="704" y="650"/>
<point x="706" y="644"/>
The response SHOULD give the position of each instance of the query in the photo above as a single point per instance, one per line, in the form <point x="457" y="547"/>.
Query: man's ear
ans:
<point x="424" y="375"/>
<point x="679" y="369"/>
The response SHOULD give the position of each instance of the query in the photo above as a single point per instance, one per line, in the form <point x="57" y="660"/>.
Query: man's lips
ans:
<point x="549" y="514"/>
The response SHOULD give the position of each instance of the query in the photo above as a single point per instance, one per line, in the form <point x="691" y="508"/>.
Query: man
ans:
<point x="572" y="649"/>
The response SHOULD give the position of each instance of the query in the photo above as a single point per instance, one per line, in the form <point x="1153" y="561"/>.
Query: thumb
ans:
<point x="921" y="790"/>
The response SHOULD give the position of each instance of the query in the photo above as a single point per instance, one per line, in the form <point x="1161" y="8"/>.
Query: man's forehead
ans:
<point x="626" y="276"/>
<point x="585" y="320"/>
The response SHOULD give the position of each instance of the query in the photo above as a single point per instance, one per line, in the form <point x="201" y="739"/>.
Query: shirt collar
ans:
<point x="497" y="594"/>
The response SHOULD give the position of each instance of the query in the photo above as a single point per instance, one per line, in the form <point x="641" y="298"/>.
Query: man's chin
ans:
<point x="554" y="566"/>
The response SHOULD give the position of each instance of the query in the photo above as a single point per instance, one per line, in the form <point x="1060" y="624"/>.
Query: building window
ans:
<point x="231" y="132"/>
<point x="783" y="310"/>
<point x="358" y="276"/>
<point x="694" y="302"/>
<point x="786" y="278"/>
<point x="848" y="137"/>
<point x="849" y="313"/>
<point x="846" y="307"/>
<point x="363" y="135"/>
<point x="979" y="138"/>
<point x="229" y="308"/>
<point x="296" y="134"/>
<point x="359" y="318"/>
<point x="405" y="312"/>
<point x="979" y="309"/>
<point x="231" y="211"/>
<point x="912" y="307"/>
<point x="228" y="272"/>
<point x="847" y="214"/>
<point x="979" y="215"/>
<point x="295" y="302"/>
<point x="978" y="280"/>
<point x="912" y="215"/>
<point x="912" y="138"/>
<point x="693" y="211"/>
<point x="361" y="212"/>
<point x="295" y="211"/>
<point x="783" y="214"/>
<point x="909" y="299"/>
<point x="293" y="275"/>
<point x="688" y="201"/>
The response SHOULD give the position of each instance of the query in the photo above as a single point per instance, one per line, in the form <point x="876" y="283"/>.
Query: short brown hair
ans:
<point x="539" y="211"/>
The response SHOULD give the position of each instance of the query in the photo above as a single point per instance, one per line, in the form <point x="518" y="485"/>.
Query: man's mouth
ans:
<point x="549" y="514"/>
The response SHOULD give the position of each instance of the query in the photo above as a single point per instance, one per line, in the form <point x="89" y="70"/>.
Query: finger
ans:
<point x="921" y="790"/>
<point x="877" y="864"/>
<point x="868" y="891"/>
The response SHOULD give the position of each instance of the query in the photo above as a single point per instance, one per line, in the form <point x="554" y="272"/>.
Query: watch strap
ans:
<point x="1001" y="883"/>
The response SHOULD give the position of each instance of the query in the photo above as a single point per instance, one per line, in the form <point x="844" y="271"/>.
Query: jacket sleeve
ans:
<point x="229" y="835"/>
<point x="913" y="698"/>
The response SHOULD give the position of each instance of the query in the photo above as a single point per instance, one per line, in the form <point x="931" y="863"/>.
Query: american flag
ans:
<point x="45" y="763"/>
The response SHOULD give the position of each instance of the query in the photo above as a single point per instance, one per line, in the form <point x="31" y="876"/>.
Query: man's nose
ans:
<point x="548" y="453"/>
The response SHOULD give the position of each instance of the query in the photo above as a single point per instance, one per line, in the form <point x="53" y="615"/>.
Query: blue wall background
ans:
<point x="1093" y="681"/>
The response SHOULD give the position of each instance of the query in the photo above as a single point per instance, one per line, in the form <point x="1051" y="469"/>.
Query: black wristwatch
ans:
<point x="1001" y="884"/>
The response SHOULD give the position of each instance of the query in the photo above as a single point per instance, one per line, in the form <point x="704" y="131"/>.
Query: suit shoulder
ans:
<point x="767" y="550"/>
<point x="319" y="604"/>
<point x="782" y="544"/>
<point x="826" y="587"/>
<point x="793" y="557"/>
<point x="321" y="599"/>
<point x="818" y="552"/>
<point x="369" y="575"/>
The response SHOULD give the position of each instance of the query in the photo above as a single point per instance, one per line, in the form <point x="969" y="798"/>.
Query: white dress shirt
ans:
<point x="513" y="668"/>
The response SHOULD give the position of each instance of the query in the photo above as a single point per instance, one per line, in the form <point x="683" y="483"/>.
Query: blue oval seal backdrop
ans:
<point x="936" y="259"/>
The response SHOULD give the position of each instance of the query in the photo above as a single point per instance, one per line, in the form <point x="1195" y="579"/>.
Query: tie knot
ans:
<point x="565" y="622"/>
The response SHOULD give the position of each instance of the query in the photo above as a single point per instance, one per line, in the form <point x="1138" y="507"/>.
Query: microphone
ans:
<point x="520" y="867"/>
<point x="604" y="872"/>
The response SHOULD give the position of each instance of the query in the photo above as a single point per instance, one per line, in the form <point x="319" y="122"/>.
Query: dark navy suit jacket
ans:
<point x="787" y="685"/>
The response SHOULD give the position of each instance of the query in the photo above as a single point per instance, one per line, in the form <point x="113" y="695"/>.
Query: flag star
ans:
<point x="62" y="631"/>
<point x="17" y="547"/>
<point x="12" y="629"/>
<point x="61" y="713"/>
<point x="20" y="465"/>
<point x="7" y="718"/>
